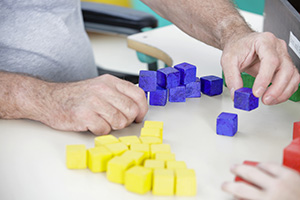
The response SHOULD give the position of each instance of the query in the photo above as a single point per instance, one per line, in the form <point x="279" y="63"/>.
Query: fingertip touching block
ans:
<point x="131" y="139"/>
<point x="148" y="80"/>
<point x="159" y="148"/>
<point x="174" y="164"/>
<point x="145" y="148"/>
<point x="211" y="85"/>
<point x="151" y="131"/>
<point x="105" y="139"/>
<point x="76" y="156"/>
<point x="296" y="130"/>
<point x="187" y="72"/>
<point x="193" y="89"/>
<point x="163" y="182"/>
<point x="158" y="97"/>
<point x="291" y="155"/>
<point x="177" y="94"/>
<point x="186" y="183"/>
<point x="116" y="168"/>
<point x="98" y="158"/>
<point x="154" y="164"/>
<point x="168" y="77"/>
<point x="246" y="162"/>
<point x="138" y="180"/>
<point x="227" y="124"/>
<point x="296" y="96"/>
<point x="117" y="148"/>
<point x="165" y="156"/>
<point x="150" y="140"/>
<point x="136" y="156"/>
<point x="245" y="100"/>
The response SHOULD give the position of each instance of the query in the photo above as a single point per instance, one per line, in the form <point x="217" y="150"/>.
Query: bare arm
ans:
<point x="219" y="24"/>
<point x="98" y="105"/>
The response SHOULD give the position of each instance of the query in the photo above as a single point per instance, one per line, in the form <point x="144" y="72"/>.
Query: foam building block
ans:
<point x="117" y="148"/>
<point x="211" y="85"/>
<point x="193" y="89"/>
<point x="227" y="124"/>
<point x="116" y="168"/>
<point x="187" y="72"/>
<point x="150" y="140"/>
<point x="155" y="124"/>
<point x="163" y="182"/>
<point x="159" y="148"/>
<point x="248" y="80"/>
<point x="177" y="94"/>
<point x="128" y="140"/>
<point x="164" y="156"/>
<point x="154" y="164"/>
<point x="148" y="80"/>
<point x="245" y="100"/>
<point x="296" y="96"/>
<point x="76" y="156"/>
<point x="145" y="148"/>
<point x="174" y="164"/>
<point x="246" y="162"/>
<point x="186" y="184"/>
<point x="105" y="139"/>
<point x="136" y="156"/>
<point x="291" y="155"/>
<point x="138" y="180"/>
<point x="158" y="97"/>
<point x="98" y="158"/>
<point x="296" y="130"/>
<point x="168" y="77"/>
<point x="151" y="131"/>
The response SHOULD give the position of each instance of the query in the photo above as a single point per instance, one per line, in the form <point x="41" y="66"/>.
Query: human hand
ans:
<point x="98" y="105"/>
<point x="271" y="182"/>
<point x="265" y="57"/>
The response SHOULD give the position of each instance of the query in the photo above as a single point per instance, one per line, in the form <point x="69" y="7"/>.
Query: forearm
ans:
<point x="213" y="22"/>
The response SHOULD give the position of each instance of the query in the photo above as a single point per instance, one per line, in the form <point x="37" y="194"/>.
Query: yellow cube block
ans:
<point x="165" y="156"/>
<point x="116" y="168"/>
<point x="154" y="164"/>
<point x="150" y="140"/>
<point x="163" y="182"/>
<point x="145" y="148"/>
<point x="155" y="124"/>
<point x="151" y="132"/>
<point x="76" y="156"/>
<point x="98" y="158"/>
<point x="186" y="184"/>
<point x="137" y="156"/>
<point x="128" y="140"/>
<point x="105" y="139"/>
<point x="176" y="165"/>
<point x="138" y="179"/>
<point x="117" y="148"/>
<point x="159" y="148"/>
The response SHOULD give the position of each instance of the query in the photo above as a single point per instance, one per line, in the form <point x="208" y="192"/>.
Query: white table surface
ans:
<point x="33" y="155"/>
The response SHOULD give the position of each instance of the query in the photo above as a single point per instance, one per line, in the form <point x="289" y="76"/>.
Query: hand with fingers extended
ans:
<point x="98" y="105"/>
<point x="265" y="57"/>
<point x="269" y="182"/>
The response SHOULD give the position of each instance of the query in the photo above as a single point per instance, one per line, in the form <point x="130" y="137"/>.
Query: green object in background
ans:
<point x="296" y="96"/>
<point x="254" y="6"/>
<point x="248" y="80"/>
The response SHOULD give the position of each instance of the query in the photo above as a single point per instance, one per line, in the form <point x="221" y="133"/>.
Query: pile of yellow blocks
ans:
<point x="141" y="164"/>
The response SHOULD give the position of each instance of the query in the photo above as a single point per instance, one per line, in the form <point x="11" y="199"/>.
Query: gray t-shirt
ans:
<point x="46" y="39"/>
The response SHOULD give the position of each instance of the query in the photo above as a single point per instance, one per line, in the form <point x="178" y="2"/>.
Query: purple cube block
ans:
<point x="187" y="73"/>
<point x="193" y="89"/>
<point x="158" y="97"/>
<point x="211" y="85"/>
<point x="245" y="100"/>
<point x="227" y="124"/>
<point x="177" y="94"/>
<point x="148" y="80"/>
<point x="168" y="77"/>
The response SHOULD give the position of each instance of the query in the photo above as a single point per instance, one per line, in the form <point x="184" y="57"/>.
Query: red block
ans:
<point x="291" y="155"/>
<point x="246" y="162"/>
<point x="296" y="132"/>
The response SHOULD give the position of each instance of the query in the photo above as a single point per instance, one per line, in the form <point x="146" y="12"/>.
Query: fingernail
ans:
<point x="232" y="90"/>
<point x="269" y="100"/>
<point x="259" y="92"/>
